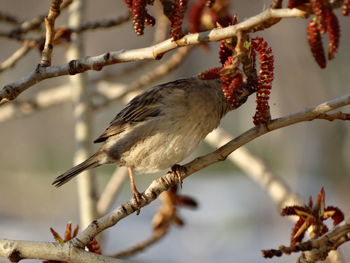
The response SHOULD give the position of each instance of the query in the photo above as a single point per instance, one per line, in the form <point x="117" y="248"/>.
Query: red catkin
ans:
<point x="315" y="42"/>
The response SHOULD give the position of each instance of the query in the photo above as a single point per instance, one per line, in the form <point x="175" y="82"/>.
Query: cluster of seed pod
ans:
<point x="234" y="70"/>
<point x="266" y="75"/>
<point x="324" y="21"/>
<point x="173" y="9"/>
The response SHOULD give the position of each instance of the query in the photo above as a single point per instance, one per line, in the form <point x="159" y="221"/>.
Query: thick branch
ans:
<point x="16" y="250"/>
<point x="165" y="182"/>
<point x="12" y="90"/>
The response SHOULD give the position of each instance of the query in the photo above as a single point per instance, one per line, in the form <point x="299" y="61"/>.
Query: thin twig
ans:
<point x="106" y="23"/>
<point x="83" y="120"/>
<point x="12" y="90"/>
<point x="9" y="18"/>
<point x="154" y="238"/>
<point x="54" y="12"/>
<point x="34" y="23"/>
<point x="335" y="116"/>
<point x="16" y="56"/>
<point x="42" y="100"/>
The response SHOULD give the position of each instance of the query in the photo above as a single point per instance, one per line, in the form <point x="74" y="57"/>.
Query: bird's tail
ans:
<point x="91" y="162"/>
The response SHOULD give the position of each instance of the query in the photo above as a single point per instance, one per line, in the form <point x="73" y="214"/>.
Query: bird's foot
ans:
<point x="178" y="170"/>
<point x="137" y="196"/>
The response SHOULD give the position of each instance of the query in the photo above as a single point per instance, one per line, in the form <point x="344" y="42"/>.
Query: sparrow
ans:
<point x="158" y="128"/>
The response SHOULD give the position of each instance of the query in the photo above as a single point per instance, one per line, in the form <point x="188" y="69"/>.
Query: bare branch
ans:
<point x="50" y="33"/>
<point x="111" y="190"/>
<point x="335" y="116"/>
<point x="34" y="23"/>
<point x="42" y="100"/>
<point x="154" y="238"/>
<point x="16" y="250"/>
<point x="12" y="90"/>
<point x="9" y="18"/>
<point x="106" y="23"/>
<point x="165" y="182"/>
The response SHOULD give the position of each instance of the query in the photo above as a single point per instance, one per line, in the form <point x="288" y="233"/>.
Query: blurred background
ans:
<point x="235" y="218"/>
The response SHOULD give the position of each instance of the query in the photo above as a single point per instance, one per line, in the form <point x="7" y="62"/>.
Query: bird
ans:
<point x="158" y="129"/>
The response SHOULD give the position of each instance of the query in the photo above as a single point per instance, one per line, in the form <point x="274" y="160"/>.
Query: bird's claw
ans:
<point x="137" y="196"/>
<point x="178" y="170"/>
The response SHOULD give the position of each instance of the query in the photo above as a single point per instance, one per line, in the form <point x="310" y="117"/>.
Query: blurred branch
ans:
<point x="9" y="18"/>
<point x="34" y="23"/>
<point x="154" y="238"/>
<point x="166" y="216"/>
<point x="83" y="122"/>
<point x="335" y="116"/>
<point x="161" y="28"/>
<point x="17" y="55"/>
<point x="112" y="189"/>
<point x="12" y="90"/>
<point x="54" y="12"/>
<point x="42" y="100"/>
<point x="16" y="250"/>
<point x="106" y="23"/>
<point x="165" y="182"/>
<point x="277" y="189"/>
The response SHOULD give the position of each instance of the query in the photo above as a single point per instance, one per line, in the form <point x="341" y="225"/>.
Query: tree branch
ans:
<point x="12" y="90"/>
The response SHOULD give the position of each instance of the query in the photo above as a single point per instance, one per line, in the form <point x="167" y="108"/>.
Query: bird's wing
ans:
<point x="141" y="108"/>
